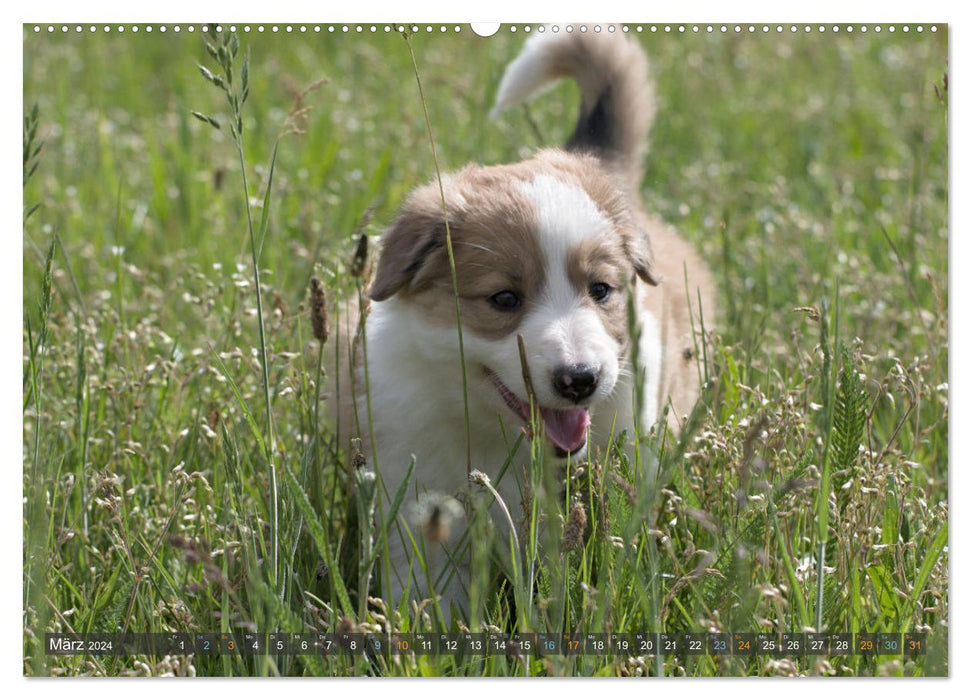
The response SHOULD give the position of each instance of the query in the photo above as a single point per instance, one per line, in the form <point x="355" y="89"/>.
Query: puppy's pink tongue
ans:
<point x="567" y="428"/>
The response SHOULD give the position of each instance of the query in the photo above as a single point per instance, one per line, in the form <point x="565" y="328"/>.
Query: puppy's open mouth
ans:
<point x="566" y="428"/>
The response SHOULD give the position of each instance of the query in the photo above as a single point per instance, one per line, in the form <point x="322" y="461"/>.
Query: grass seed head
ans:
<point x="358" y="460"/>
<point x="438" y="526"/>
<point x="346" y="626"/>
<point x="359" y="261"/>
<point x="318" y="310"/>
<point x="576" y="525"/>
<point x="434" y="514"/>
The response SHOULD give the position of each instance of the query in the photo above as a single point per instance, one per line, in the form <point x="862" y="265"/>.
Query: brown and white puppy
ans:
<point x="547" y="248"/>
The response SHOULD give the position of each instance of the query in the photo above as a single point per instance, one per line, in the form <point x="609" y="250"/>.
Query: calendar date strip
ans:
<point x="795" y="644"/>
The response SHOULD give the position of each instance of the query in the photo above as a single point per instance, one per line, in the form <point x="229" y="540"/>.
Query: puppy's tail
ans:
<point x="617" y="96"/>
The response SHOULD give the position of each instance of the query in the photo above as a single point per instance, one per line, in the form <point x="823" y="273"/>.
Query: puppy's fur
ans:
<point x="551" y="249"/>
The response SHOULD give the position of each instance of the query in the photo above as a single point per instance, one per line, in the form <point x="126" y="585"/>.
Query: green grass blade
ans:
<point x="265" y="215"/>
<point x="250" y="420"/>
<point x="934" y="552"/>
<point x="302" y="502"/>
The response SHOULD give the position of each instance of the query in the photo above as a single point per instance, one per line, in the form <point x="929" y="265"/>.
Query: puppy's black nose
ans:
<point x="575" y="382"/>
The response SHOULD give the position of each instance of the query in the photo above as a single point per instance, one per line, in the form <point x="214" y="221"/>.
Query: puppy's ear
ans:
<point x="406" y="247"/>
<point x="641" y="254"/>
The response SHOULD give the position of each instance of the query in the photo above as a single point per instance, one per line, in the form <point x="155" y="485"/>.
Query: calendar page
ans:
<point x="431" y="349"/>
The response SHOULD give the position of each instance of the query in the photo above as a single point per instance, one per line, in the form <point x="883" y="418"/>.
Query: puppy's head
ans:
<point x="545" y="249"/>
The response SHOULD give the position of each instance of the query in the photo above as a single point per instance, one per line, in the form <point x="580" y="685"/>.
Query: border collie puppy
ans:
<point x="552" y="249"/>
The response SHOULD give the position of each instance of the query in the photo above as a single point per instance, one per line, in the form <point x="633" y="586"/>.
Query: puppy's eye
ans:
<point x="505" y="300"/>
<point x="600" y="291"/>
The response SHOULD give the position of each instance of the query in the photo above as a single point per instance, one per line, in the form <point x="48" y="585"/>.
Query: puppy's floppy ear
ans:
<point x="641" y="254"/>
<point x="406" y="246"/>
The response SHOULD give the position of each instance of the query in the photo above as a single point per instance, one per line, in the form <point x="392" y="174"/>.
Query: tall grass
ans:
<point x="178" y="474"/>
<point x="451" y="254"/>
<point x="223" y="49"/>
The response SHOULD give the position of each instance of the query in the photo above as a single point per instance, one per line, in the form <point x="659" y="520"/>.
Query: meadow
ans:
<point x="180" y="472"/>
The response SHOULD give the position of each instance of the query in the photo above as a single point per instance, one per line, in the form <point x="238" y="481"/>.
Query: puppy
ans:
<point x="550" y="249"/>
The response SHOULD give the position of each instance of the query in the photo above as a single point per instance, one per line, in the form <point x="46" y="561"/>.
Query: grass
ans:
<point x="177" y="476"/>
